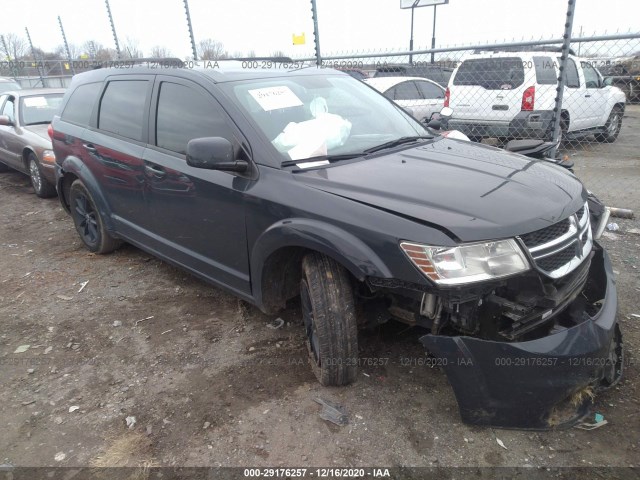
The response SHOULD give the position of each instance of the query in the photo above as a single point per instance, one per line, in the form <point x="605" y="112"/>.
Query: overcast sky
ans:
<point x="345" y="25"/>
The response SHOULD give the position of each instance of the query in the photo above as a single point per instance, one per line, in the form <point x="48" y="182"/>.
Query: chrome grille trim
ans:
<point x="577" y="242"/>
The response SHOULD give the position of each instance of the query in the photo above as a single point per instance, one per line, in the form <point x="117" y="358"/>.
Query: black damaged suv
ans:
<point x="285" y="182"/>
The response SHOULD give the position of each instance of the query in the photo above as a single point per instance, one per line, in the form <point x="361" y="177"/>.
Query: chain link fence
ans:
<point x="510" y="91"/>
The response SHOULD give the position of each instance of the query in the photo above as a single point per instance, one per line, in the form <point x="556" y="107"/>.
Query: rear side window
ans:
<point x="80" y="105"/>
<point x="491" y="73"/>
<point x="429" y="90"/>
<point x="122" y="108"/>
<point x="185" y="114"/>
<point x="545" y="71"/>
<point x="404" y="91"/>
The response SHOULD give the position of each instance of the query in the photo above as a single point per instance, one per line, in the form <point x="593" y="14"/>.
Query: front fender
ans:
<point x="342" y="246"/>
<point x="75" y="166"/>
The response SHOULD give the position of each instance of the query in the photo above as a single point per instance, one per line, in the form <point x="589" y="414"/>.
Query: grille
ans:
<point x="557" y="260"/>
<point x="559" y="248"/>
<point x="546" y="234"/>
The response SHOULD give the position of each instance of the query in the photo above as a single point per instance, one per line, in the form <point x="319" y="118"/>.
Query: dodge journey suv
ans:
<point x="282" y="183"/>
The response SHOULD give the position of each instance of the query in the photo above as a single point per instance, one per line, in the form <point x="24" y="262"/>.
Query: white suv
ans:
<point x="512" y="95"/>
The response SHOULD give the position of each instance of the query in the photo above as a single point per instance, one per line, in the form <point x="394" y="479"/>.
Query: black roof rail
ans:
<point x="165" y="61"/>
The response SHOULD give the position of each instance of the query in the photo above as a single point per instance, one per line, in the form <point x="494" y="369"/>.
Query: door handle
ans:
<point x="587" y="96"/>
<point x="90" y="148"/>
<point x="155" y="170"/>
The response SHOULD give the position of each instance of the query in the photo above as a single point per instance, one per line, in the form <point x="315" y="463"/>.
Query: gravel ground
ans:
<point x="211" y="384"/>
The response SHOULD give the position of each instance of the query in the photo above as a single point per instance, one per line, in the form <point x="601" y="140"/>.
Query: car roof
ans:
<point x="383" y="84"/>
<point x="218" y="71"/>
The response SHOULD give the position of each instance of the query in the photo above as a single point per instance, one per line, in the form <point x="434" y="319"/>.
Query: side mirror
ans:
<point x="5" y="121"/>
<point x="446" y="112"/>
<point x="608" y="81"/>
<point x="434" y="124"/>
<point x="214" y="153"/>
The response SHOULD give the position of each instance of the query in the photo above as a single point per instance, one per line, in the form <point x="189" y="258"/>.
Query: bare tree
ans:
<point x="91" y="48"/>
<point x="74" y="50"/>
<point x="209" y="49"/>
<point x="278" y="54"/>
<point x="130" y="49"/>
<point x="160" y="52"/>
<point x="17" y="47"/>
<point x="251" y="54"/>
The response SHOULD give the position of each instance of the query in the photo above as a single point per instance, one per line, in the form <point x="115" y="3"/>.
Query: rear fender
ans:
<point x="75" y="166"/>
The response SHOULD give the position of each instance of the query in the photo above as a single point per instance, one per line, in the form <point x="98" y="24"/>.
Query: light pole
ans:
<point x="413" y="4"/>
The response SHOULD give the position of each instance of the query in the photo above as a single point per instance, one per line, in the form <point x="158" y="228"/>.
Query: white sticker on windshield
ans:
<point x="272" y="98"/>
<point x="35" y="102"/>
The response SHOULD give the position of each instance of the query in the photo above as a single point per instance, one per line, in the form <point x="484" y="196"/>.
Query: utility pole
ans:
<point x="66" y="47"/>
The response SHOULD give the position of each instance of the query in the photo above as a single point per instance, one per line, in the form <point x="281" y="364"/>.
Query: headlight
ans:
<point x="468" y="263"/>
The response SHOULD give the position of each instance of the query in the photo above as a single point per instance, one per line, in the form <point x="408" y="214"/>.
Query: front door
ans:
<point x="199" y="214"/>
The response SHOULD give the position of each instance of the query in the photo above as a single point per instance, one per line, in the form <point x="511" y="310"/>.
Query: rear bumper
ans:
<point x="534" y="384"/>
<point x="535" y="124"/>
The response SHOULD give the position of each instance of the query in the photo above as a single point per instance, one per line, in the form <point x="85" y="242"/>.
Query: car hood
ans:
<point x="41" y="131"/>
<point x="469" y="191"/>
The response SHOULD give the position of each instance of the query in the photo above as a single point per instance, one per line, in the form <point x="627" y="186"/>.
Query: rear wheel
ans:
<point x="88" y="221"/>
<point x="612" y="127"/>
<point x="40" y="184"/>
<point x="329" y="320"/>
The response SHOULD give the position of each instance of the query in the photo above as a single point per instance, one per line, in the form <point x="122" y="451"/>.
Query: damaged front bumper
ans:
<point x="537" y="384"/>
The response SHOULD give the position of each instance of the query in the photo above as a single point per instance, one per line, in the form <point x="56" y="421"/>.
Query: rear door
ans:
<point x="114" y="147"/>
<point x="490" y="89"/>
<point x="432" y="97"/>
<point x="199" y="214"/>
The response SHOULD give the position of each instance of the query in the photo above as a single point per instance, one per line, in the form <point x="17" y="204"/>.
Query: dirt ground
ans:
<point x="210" y="383"/>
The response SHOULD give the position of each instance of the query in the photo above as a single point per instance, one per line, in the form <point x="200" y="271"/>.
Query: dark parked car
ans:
<point x="274" y="184"/>
<point x="438" y="74"/>
<point x="25" y="145"/>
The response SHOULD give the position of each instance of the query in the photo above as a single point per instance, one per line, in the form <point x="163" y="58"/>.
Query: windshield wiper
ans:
<point x="397" y="142"/>
<point x="319" y="158"/>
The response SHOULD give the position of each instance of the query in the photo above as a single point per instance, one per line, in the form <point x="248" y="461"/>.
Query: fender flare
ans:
<point x="342" y="246"/>
<point x="77" y="167"/>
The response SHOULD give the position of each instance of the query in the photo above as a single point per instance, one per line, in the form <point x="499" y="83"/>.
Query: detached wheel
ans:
<point x="329" y="320"/>
<point x="88" y="222"/>
<point x="41" y="185"/>
<point x="612" y="127"/>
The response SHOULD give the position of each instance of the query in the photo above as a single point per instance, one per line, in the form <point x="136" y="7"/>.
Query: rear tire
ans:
<point x="41" y="185"/>
<point x="612" y="127"/>
<point x="329" y="319"/>
<point x="88" y="222"/>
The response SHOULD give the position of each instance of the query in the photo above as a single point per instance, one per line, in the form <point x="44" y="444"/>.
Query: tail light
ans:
<point x="529" y="99"/>
<point x="50" y="131"/>
<point x="447" y="97"/>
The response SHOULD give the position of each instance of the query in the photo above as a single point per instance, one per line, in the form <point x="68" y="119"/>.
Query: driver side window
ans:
<point x="591" y="78"/>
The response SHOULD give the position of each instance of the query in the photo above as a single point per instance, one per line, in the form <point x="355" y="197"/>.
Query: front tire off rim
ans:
<point x="87" y="220"/>
<point x="34" y="173"/>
